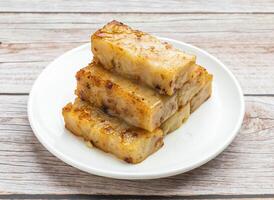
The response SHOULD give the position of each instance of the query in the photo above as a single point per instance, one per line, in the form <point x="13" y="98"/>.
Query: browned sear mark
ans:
<point x="158" y="87"/>
<point x="104" y="108"/>
<point x="128" y="160"/>
<point x="161" y="119"/>
<point x="109" y="84"/>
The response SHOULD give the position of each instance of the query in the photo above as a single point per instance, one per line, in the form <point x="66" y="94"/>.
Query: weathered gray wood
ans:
<point x="29" y="41"/>
<point x="137" y="6"/>
<point x="122" y="197"/>
<point x="32" y="27"/>
<point x="19" y="77"/>
<point x="243" y="42"/>
<point x="246" y="167"/>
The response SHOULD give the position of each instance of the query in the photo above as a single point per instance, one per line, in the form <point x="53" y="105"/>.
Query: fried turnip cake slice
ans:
<point x="111" y="134"/>
<point x="141" y="56"/>
<point x="137" y="104"/>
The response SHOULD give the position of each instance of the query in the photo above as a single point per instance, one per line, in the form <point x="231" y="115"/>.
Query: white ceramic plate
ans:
<point x="208" y="131"/>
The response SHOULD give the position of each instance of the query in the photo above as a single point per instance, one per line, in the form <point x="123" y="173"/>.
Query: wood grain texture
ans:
<point x="121" y="197"/>
<point x="240" y="33"/>
<point x="244" y="168"/>
<point x="243" y="42"/>
<point x="142" y="6"/>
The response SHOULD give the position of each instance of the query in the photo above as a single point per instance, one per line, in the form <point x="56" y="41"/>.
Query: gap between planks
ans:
<point x="132" y="197"/>
<point x="148" y="13"/>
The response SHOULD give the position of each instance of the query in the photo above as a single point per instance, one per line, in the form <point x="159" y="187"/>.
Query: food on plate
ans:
<point x="136" y="104"/>
<point x="141" y="56"/>
<point x="111" y="134"/>
<point x="136" y="90"/>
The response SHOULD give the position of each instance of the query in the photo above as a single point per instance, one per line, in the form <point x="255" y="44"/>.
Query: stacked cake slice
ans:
<point x="135" y="91"/>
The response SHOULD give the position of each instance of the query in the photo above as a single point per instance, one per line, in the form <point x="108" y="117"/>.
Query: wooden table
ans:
<point x="238" y="32"/>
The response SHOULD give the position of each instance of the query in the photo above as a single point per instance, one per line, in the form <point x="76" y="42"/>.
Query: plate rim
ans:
<point x="130" y="176"/>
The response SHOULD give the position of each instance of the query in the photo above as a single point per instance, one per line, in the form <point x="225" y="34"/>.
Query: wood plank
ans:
<point x="120" y="197"/>
<point x="19" y="77"/>
<point x="243" y="42"/>
<point x="244" y="168"/>
<point x="142" y="6"/>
